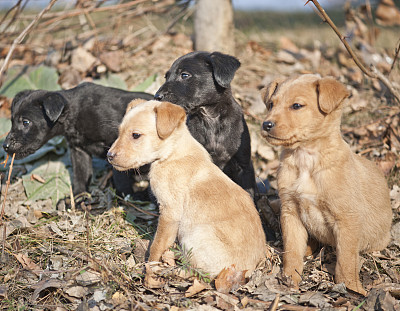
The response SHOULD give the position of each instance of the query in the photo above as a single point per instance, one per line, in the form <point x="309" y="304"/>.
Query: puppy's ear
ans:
<point x="224" y="68"/>
<point x="134" y="103"/>
<point x="270" y="89"/>
<point x="169" y="117"/>
<point x="53" y="105"/>
<point x="331" y="94"/>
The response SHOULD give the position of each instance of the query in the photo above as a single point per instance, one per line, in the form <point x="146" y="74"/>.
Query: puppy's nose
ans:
<point x="6" y="145"/>
<point x="158" y="96"/>
<point x="110" y="156"/>
<point x="268" y="125"/>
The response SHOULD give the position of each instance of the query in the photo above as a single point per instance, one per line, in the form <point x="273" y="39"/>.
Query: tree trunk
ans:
<point x="213" y="26"/>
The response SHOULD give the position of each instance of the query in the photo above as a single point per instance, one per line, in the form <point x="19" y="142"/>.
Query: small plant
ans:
<point x="183" y="258"/>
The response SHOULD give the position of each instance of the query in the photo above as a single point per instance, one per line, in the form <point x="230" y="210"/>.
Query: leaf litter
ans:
<point x="93" y="256"/>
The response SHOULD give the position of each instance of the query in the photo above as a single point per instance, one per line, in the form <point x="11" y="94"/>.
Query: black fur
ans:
<point x="87" y="115"/>
<point x="200" y="83"/>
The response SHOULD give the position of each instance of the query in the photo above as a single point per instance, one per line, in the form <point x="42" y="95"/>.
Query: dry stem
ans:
<point x="4" y="206"/>
<point x="22" y="35"/>
<point x="373" y="72"/>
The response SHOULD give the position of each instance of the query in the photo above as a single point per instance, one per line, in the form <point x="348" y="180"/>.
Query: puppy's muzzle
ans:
<point x="6" y="146"/>
<point x="268" y="125"/>
<point x="110" y="156"/>
<point x="159" y="96"/>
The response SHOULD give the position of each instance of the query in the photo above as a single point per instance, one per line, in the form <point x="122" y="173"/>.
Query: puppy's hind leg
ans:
<point x="347" y="262"/>
<point x="295" y="238"/>
<point x="82" y="170"/>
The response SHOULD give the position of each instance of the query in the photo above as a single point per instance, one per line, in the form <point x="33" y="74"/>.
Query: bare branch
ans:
<point x="396" y="56"/>
<point x="21" y="37"/>
<point x="373" y="72"/>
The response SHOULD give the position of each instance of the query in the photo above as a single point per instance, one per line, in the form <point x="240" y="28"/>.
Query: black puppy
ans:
<point x="200" y="83"/>
<point x="87" y="115"/>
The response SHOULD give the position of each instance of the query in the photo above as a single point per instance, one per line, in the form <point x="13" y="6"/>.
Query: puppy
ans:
<point x="200" y="83"/>
<point x="210" y="214"/>
<point x="327" y="192"/>
<point x="87" y="115"/>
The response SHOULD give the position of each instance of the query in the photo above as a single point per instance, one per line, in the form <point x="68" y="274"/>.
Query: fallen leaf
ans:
<point x="45" y="284"/>
<point x="118" y="298"/>
<point x="169" y="257"/>
<point x="37" y="178"/>
<point x="27" y="263"/>
<point x="230" y="279"/>
<point x="195" y="288"/>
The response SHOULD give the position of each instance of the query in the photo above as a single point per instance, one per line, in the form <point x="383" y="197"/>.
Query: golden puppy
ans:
<point x="210" y="214"/>
<point x="327" y="191"/>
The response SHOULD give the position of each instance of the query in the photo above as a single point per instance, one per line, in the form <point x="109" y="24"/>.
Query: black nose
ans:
<point x="268" y="125"/>
<point x="6" y="145"/>
<point x="110" y="156"/>
<point x="158" y="96"/>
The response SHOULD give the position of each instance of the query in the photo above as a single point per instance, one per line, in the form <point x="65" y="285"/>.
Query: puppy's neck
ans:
<point x="324" y="150"/>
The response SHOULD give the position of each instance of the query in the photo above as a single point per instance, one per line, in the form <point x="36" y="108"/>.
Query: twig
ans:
<point x="138" y="208"/>
<point x="63" y="15"/>
<point x="373" y="72"/>
<point x="22" y="36"/>
<point x="396" y="56"/>
<point x="274" y="305"/>
<point x="4" y="206"/>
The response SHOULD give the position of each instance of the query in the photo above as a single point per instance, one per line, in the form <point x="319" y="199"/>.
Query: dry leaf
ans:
<point x="37" y="178"/>
<point x="27" y="263"/>
<point x="44" y="284"/>
<point x="230" y="279"/>
<point x="118" y="298"/>
<point x="195" y="288"/>
<point x="168" y="257"/>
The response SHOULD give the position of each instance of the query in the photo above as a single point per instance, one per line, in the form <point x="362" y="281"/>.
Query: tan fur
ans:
<point x="326" y="190"/>
<point x="199" y="204"/>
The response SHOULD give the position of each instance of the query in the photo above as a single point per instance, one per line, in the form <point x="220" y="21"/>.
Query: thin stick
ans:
<point x="21" y="37"/>
<point x="396" y="56"/>
<point x="373" y="72"/>
<point x="137" y="208"/>
<point x="4" y="206"/>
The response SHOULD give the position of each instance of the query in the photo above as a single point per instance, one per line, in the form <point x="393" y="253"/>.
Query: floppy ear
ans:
<point x="134" y="103"/>
<point x="270" y="89"/>
<point x="224" y="68"/>
<point x="53" y="105"/>
<point x="330" y="93"/>
<point x="169" y="117"/>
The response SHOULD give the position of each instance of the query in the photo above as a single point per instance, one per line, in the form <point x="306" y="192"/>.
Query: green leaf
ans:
<point x="142" y="87"/>
<point x="57" y="180"/>
<point x="112" y="80"/>
<point x="29" y="78"/>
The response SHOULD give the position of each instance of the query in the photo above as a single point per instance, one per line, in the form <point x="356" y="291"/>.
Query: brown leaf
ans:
<point x="27" y="263"/>
<point x="168" y="257"/>
<point x="195" y="288"/>
<point x="230" y="279"/>
<point x="44" y="284"/>
<point x="37" y="178"/>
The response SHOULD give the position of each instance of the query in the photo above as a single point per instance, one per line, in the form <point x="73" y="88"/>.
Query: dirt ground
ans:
<point x="63" y="255"/>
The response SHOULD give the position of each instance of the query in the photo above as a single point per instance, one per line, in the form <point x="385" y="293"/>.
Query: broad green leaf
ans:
<point x="57" y="181"/>
<point x="29" y="78"/>
<point x="142" y="87"/>
<point x="112" y="80"/>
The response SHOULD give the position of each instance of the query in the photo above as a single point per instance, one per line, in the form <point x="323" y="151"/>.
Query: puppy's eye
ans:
<point x="26" y="123"/>
<point x="297" y="106"/>
<point x="185" y="75"/>
<point x="270" y="105"/>
<point x="136" y="135"/>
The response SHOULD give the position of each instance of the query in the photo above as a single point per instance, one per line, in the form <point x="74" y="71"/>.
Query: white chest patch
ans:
<point x="306" y="192"/>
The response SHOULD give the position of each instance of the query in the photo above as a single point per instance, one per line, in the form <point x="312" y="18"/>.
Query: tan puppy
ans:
<point x="327" y="191"/>
<point x="199" y="204"/>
